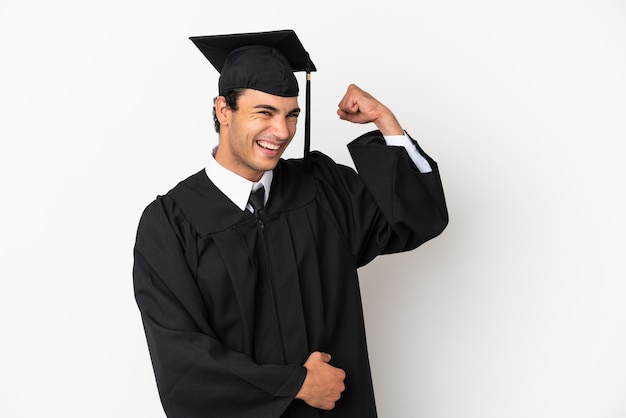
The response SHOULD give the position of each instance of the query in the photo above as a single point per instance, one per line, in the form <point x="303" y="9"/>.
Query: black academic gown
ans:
<point x="232" y="306"/>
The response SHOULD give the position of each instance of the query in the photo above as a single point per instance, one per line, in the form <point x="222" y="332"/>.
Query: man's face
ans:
<point x="254" y="137"/>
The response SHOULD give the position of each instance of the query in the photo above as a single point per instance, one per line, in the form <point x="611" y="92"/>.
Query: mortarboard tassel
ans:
<point x="307" y="121"/>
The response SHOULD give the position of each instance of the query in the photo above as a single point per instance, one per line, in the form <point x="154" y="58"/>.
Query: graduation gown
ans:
<point x="233" y="305"/>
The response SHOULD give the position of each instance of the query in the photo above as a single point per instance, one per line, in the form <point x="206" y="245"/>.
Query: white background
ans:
<point x="517" y="310"/>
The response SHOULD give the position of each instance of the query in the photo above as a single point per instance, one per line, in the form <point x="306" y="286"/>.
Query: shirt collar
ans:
<point x="235" y="187"/>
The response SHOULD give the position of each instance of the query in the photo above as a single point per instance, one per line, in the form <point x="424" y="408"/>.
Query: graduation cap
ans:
<point x="264" y="61"/>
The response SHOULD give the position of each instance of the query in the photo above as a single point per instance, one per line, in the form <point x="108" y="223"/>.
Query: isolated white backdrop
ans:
<point x="516" y="310"/>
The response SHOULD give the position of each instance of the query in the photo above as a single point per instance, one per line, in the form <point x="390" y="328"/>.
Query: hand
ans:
<point x="358" y="106"/>
<point x="323" y="384"/>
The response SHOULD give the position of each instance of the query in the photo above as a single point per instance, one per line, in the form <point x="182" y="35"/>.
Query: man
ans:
<point x="252" y="308"/>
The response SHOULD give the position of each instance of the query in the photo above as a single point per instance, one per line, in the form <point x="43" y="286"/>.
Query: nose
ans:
<point x="280" y="128"/>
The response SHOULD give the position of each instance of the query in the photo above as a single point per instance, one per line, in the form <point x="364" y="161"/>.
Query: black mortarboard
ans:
<point x="262" y="61"/>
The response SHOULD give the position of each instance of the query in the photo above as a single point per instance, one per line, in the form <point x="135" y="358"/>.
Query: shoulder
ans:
<point x="195" y="203"/>
<point x="319" y="165"/>
<point x="301" y="174"/>
<point x="297" y="183"/>
<point x="182" y="191"/>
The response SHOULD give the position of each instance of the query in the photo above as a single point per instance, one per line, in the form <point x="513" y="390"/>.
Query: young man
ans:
<point x="252" y="308"/>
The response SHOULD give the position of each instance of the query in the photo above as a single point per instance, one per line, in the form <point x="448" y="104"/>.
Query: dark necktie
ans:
<point x="257" y="199"/>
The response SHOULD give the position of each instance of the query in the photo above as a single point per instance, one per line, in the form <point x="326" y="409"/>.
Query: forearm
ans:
<point x="413" y="203"/>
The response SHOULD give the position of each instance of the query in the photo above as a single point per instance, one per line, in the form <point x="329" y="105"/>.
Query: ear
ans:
<point x="222" y="111"/>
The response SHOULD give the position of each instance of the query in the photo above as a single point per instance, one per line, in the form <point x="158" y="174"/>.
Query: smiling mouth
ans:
<point x="268" y="145"/>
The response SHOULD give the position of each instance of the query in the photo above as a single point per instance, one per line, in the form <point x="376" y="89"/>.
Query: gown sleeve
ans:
<point x="196" y="375"/>
<point x="390" y="206"/>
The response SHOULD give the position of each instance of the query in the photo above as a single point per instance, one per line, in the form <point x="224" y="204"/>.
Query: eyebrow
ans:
<point x="274" y="109"/>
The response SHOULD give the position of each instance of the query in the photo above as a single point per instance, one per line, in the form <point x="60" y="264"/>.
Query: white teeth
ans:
<point x="268" y="145"/>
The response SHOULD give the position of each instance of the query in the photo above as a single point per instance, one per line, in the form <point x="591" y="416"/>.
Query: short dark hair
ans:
<point x="231" y="97"/>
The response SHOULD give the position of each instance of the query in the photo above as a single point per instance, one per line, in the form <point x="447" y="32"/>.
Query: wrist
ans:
<point x="388" y="125"/>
